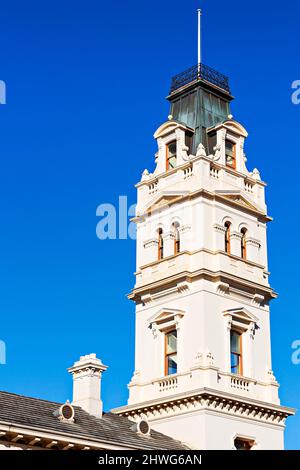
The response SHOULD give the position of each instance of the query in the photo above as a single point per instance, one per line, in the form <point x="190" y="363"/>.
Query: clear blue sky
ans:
<point x="86" y="82"/>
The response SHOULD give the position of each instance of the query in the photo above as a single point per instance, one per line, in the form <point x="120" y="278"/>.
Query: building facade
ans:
<point x="203" y="368"/>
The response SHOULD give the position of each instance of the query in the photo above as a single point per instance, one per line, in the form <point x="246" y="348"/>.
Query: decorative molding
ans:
<point x="184" y="228"/>
<point x="204" y="360"/>
<point x="207" y="400"/>
<point x="235" y="236"/>
<point x="182" y="287"/>
<point x="223" y="288"/>
<point x="146" y="299"/>
<point x="239" y="287"/>
<point x="253" y="242"/>
<point x="166" y="317"/>
<point x="258" y="300"/>
<point x="168" y="235"/>
<point x="219" y="228"/>
<point x="271" y="377"/>
<point x="150" y="243"/>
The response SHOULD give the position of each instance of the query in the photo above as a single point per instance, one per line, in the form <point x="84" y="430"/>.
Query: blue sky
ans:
<point x="86" y="82"/>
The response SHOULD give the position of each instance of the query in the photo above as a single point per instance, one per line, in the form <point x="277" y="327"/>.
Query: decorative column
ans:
<point x="151" y="250"/>
<point x="235" y="243"/>
<point x="185" y="233"/>
<point x="219" y="237"/>
<point x="169" y="242"/>
<point x="252" y="247"/>
<point x="221" y="136"/>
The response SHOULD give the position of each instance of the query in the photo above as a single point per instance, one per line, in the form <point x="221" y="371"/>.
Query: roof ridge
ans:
<point x="3" y="392"/>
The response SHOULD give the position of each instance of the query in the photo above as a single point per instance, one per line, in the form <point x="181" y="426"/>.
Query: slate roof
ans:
<point x="18" y="410"/>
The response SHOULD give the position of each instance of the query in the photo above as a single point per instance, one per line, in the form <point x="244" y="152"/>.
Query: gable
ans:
<point x="241" y="315"/>
<point x="238" y="198"/>
<point x="165" y="317"/>
<point x="164" y="199"/>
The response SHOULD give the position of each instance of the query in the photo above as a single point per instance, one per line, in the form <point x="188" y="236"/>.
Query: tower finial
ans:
<point x="199" y="35"/>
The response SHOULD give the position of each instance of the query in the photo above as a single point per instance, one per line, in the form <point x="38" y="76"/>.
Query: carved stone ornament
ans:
<point x="201" y="151"/>
<point x="217" y="153"/>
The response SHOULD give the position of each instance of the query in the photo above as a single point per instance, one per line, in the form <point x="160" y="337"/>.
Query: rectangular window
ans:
<point x="230" y="154"/>
<point x="171" y="155"/>
<point x="236" y="352"/>
<point x="171" y="353"/>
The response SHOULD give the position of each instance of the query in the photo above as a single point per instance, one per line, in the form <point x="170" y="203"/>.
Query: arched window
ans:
<point x="176" y="233"/>
<point x="227" y="237"/>
<point x="243" y="243"/>
<point x="160" y="244"/>
<point x="171" y="155"/>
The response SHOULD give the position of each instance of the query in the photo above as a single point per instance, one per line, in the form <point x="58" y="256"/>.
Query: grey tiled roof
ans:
<point x="19" y="410"/>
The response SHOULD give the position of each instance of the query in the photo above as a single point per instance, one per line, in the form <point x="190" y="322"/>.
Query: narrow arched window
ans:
<point x="176" y="238"/>
<point x="243" y="243"/>
<point x="227" y="237"/>
<point x="160" y="244"/>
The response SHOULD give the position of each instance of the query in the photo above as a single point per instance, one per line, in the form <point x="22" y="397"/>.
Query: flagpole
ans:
<point x="199" y="39"/>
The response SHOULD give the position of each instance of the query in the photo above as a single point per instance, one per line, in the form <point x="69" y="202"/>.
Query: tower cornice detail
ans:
<point x="209" y="400"/>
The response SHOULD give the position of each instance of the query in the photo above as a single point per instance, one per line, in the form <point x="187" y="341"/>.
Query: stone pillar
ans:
<point x="219" y="237"/>
<point x="252" y="249"/>
<point x="235" y="243"/>
<point x="185" y="234"/>
<point x="169" y="241"/>
<point x="151" y="251"/>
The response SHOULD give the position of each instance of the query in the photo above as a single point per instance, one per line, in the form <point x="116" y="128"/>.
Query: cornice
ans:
<point x="40" y="438"/>
<point x="208" y="400"/>
<point x="193" y="252"/>
<point x="217" y="276"/>
<point x="261" y="215"/>
<point x="193" y="159"/>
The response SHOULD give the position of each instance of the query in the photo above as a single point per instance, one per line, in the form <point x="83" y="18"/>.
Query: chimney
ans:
<point x="87" y="374"/>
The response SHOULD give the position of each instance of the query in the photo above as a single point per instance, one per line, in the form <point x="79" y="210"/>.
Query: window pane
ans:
<point x="172" y="149"/>
<point x="230" y="153"/>
<point x="172" y="342"/>
<point x="172" y="155"/>
<point x="172" y="162"/>
<point x="235" y="342"/>
<point x="172" y="364"/>
<point x="235" y="364"/>
<point x="229" y="147"/>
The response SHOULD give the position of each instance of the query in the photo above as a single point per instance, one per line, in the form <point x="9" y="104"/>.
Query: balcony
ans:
<point x="197" y="73"/>
<point x="210" y="378"/>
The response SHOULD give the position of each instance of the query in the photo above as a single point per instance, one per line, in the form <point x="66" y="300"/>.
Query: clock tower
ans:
<point x="203" y="369"/>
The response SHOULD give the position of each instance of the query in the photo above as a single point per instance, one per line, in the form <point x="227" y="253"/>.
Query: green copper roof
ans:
<point x="200" y="98"/>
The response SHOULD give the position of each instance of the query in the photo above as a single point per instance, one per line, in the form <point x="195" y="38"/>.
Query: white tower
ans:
<point x="203" y="370"/>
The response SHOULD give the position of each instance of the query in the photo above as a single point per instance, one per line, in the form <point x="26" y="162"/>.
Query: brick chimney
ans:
<point x="87" y="375"/>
